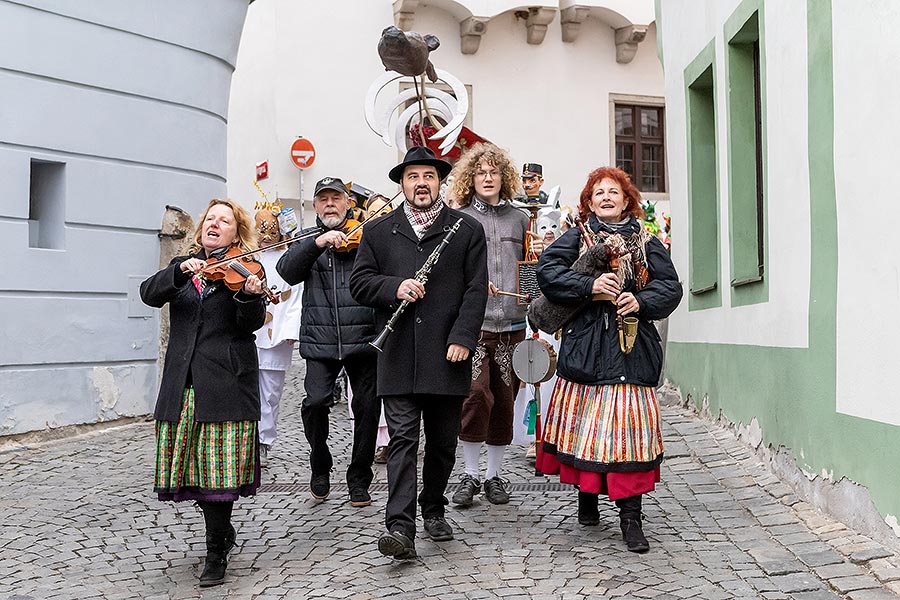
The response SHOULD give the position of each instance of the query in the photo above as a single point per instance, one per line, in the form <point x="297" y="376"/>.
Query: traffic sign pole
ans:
<point x="302" y="203"/>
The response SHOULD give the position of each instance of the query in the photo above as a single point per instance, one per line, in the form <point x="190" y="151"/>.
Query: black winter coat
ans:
<point x="414" y="360"/>
<point x="589" y="352"/>
<point x="212" y="340"/>
<point x="332" y="324"/>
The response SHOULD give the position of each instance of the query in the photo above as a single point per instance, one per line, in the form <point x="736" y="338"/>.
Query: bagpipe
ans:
<point x="605" y="253"/>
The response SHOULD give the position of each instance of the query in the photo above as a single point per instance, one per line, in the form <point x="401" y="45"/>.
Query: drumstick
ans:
<point x="526" y="297"/>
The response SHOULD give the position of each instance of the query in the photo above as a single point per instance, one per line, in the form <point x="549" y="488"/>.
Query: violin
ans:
<point x="234" y="268"/>
<point x="353" y="227"/>
<point x="353" y="230"/>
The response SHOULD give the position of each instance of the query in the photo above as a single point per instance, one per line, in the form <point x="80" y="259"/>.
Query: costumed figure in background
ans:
<point x="532" y="180"/>
<point x="423" y="267"/>
<point x="335" y="331"/>
<point x="548" y="225"/>
<point x="526" y="409"/>
<point x="602" y="429"/>
<point x="208" y="406"/>
<point x="275" y="340"/>
<point x="484" y="182"/>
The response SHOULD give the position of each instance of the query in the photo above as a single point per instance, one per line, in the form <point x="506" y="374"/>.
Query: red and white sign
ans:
<point x="262" y="170"/>
<point x="303" y="153"/>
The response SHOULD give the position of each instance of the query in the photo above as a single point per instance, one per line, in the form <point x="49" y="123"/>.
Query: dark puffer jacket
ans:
<point x="589" y="351"/>
<point x="332" y="324"/>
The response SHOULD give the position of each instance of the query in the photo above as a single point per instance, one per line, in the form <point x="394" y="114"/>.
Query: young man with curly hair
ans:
<point x="484" y="182"/>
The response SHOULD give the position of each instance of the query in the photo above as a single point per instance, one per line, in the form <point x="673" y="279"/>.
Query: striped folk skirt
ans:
<point x="205" y="461"/>
<point x="604" y="438"/>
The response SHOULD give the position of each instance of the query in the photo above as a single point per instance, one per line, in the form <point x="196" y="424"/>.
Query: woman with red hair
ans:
<point x="602" y="430"/>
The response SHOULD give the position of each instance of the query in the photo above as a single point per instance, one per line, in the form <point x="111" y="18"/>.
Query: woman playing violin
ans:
<point x="208" y="405"/>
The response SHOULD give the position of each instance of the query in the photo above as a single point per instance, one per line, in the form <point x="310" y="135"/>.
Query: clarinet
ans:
<point x="422" y="277"/>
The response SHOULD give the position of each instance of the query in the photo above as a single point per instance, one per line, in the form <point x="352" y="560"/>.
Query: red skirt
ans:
<point x="616" y="485"/>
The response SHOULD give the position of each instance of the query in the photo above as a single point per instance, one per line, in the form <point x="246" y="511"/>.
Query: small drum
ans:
<point x="534" y="360"/>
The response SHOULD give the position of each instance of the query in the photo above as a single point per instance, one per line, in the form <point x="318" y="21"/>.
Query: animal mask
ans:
<point x="548" y="225"/>
<point x="267" y="227"/>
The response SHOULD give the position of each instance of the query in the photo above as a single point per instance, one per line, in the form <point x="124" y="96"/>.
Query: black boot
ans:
<point x="588" y="512"/>
<point x="216" y="560"/>
<point x="220" y="536"/>
<point x="630" y="520"/>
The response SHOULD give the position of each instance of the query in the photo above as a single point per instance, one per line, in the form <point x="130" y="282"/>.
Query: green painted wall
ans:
<point x="704" y="288"/>
<point x="748" y="283"/>
<point x="792" y="391"/>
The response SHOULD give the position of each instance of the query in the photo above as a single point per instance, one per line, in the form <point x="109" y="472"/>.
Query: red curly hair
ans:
<point x="632" y="195"/>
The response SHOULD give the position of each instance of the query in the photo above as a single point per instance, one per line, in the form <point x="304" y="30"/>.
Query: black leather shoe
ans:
<point x="438" y="529"/>
<point x="319" y="487"/>
<point x="359" y="497"/>
<point x="397" y="545"/>
<point x="633" y="535"/>
<point x="588" y="511"/>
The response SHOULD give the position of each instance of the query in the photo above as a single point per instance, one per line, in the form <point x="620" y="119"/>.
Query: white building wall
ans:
<point x="132" y="99"/>
<point x="687" y="26"/>
<point x="298" y="77"/>
<point x="865" y="159"/>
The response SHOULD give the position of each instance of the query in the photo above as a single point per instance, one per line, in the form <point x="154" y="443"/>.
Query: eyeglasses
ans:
<point x="486" y="174"/>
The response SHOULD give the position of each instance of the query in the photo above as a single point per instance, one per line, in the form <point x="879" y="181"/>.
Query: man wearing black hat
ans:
<point x="532" y="180"/>
<point x="425" y="370"/>
<point x="335" y="332"/>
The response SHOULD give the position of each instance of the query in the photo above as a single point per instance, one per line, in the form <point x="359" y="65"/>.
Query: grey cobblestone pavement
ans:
<point x="78" y="520"/>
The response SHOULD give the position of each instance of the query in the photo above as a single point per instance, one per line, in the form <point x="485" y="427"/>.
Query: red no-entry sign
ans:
<point x="303" y="153"/>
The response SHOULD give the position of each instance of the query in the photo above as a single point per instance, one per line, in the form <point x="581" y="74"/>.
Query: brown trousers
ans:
<point x="487" y="413"/>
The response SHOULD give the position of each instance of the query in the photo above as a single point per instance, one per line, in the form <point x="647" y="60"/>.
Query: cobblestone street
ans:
<point x="79" y="521"/>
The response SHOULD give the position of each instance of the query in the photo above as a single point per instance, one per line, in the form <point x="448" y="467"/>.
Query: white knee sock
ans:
<point x="471" y="453"/>
<point x="494" y="461"/>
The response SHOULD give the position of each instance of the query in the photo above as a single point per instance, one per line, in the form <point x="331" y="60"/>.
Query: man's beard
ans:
<point x="423" y="203"/>
<point x="332" y="222"/>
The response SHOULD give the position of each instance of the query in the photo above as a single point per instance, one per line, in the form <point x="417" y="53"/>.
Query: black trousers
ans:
<point x="439" y="416"/>
<point x="320" y="381"/>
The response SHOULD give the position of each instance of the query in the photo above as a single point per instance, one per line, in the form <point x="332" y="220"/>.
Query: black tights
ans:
<point x="217" y="515"/>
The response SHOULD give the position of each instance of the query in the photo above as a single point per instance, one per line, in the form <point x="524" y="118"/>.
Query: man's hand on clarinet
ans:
<point x="457" y="353"/>
<point x="410" y="290"/>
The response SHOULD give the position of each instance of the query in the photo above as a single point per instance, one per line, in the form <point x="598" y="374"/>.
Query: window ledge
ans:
<point x="747" y="281"/>
<point x="703" y="290"/>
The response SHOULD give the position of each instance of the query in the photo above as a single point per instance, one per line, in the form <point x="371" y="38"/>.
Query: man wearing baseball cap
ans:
<point x="335" y="332"/>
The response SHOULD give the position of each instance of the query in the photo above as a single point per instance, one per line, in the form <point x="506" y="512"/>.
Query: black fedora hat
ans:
<point x="420" y="155"/>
